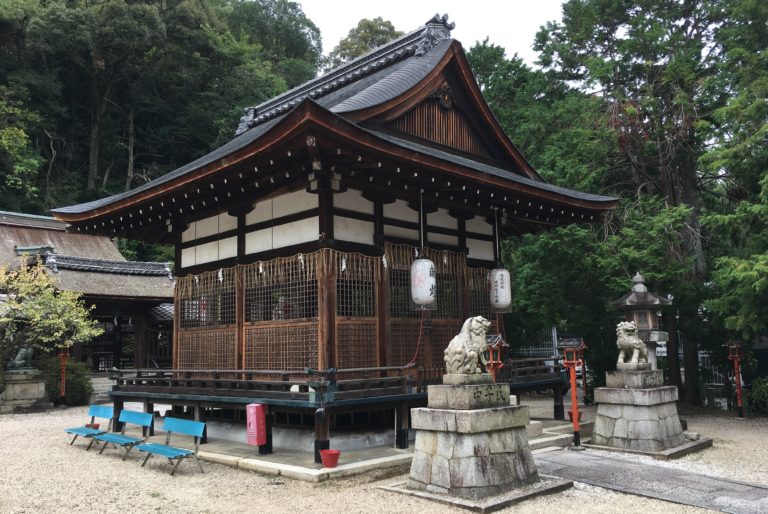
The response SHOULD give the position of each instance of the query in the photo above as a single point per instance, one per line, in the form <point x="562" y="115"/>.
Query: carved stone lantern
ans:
<point x="644" y="308"/>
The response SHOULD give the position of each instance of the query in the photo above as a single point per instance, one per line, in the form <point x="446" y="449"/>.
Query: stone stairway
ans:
<point x="101" y="387"/>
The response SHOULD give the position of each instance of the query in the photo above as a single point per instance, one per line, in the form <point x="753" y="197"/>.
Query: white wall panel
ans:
<point x="480" y="249"/>
<point x="259" y="241"/>
<point x="187" y="257"/>
<point x="356" y="231"/>
<point x="208" y="252"/>
<point x="189" y="234"/>
<point x="352" y="200"/>
<point x="443" y="239"/>
<point x="262" y="211"/>
<point x="478" y="225"/>
<point x="405" y="233"/>
<point x="296" y="232"/>
<point x="441" y="218"/>
<point x="228" y="248"/>
<point x="292" y="203"/>
<point x="399" y="210"/>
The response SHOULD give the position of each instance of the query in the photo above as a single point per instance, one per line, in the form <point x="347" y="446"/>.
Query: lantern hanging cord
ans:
<point x="412" y="363"/>
<point x="421" y="222"/>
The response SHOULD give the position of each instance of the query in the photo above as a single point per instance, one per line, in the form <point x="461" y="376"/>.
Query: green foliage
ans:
<point x="35" y="314"/>
<point x="367" y="35"/>
<point x="163" y="82"/>
<point x="77" y="386"/>
<point x="757" y="400"/>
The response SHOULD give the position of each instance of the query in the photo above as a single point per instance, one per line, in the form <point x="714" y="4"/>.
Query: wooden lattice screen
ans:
<point x="357" y="280"/>
<point x="281" y="313"/>
<point x="479" y="296"/>
<point x="207" y="331"/>
<point x="404" y="315"/>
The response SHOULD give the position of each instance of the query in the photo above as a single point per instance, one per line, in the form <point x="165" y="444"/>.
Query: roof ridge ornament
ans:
<point x="436" y="29"/>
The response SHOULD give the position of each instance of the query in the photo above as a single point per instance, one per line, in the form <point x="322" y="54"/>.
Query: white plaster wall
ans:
<point x="301" y="231"/>
<point x="292" y="203"/>
<point x="228" y="248"/>
<point x="259" y="241"/>
<point x="262" y="211"/>
<point x="441" y="218"/>
<point x="405" y="233"/>
<point x="208" y="252"/>
<point x="283" y="205"/>
<point x="187" y="257"/>
<point x="209" y="227"/>
<point x="478" y="225"/>
<point x="443" y="239"/>
<point x="356" y="231"/>
<point x="399" y="210"/>
<point x="480" y="249"/>
<point x="352" y="200"/>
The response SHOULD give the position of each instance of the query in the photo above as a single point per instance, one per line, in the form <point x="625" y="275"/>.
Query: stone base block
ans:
<point x="489" y="504"/>
<point x="620" y="396"/>
<point x="645" y="428"/>
<point x="24" y="390"/>
<point x="634" y="379"/>
<point x="466" y="397"/>
<point x="472" y="466"/>
<point x="464" y="379"/>
<point x="637" y="366"/>
<point x="470" y="421"/>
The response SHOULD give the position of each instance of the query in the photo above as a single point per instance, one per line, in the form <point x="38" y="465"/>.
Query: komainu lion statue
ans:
<point x="629" y="344"/>
<point x="467" y="347"/>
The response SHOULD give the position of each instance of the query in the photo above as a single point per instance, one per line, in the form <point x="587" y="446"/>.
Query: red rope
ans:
<point x="412" y="363"/>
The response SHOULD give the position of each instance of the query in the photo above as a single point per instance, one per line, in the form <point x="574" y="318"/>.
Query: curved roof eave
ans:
<point x="279" y="130"/>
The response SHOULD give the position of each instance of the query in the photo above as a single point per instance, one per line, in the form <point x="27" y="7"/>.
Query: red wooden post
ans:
<point x="570" y="360"/>
<point x="735" y="354"/>
<point x="63" y="358"/>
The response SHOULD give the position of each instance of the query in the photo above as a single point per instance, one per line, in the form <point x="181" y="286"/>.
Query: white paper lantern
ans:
<point x="501" y="288"/>
<point x="423" y="282"/>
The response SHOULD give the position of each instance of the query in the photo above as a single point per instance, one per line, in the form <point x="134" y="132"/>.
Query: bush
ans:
<point x="758" y="395"/>
<point x="78" y="387"/>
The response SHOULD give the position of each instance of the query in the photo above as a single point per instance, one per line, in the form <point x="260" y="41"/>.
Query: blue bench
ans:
<point x="142" y="419"/>
<point x="178" y="426"/>
<point x="94" y="411"/>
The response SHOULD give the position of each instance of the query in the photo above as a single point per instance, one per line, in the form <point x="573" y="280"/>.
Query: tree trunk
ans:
<point x="673" y="363"/>
<point x="131" y="138"/>
<point x="99" y="108"/>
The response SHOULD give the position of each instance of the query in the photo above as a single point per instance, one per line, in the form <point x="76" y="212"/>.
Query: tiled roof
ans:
<point x="66" y="262"/>
<point x="414" y="44"/>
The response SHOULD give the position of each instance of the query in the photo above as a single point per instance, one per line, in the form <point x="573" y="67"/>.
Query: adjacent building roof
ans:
<point x="88" y="264"/>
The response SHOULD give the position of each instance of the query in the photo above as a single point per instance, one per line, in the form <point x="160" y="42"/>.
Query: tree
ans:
<point x="367" y="35"/>
<point x="650" y="62"/>
<point x="36" y="315"/>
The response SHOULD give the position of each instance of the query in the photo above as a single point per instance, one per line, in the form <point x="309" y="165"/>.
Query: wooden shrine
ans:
<point x="294" y="240"/>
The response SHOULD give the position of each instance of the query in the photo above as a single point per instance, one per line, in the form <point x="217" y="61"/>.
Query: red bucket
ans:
<point x="330" y="458"/>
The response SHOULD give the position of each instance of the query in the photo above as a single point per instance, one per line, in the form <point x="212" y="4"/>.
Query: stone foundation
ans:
<point x="24" y="389"/>
<point x="470" y="442"/>
<point x="637" y="413"/>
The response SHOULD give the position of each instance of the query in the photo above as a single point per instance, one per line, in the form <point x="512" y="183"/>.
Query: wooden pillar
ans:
<point x="200" y="416"/>
<point x="382" y="315"/>
<point x="322" y="432"/>
<point x="559" y="410"/>
<point x="239" y="319"/>
<point x="326" y="311"/>
<point x="402" y="425"/>
<point x="117" y="408"/>
<point x="140" y="342"/>
<point x="149" y="407"/>
<point x="176" y="329"/>
<point x="266" y="449"/>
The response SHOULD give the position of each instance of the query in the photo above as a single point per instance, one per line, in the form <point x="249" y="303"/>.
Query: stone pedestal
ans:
<point x="637" y="412"/>
<point x="470" y="442"/>
<point x="24" y="389"/>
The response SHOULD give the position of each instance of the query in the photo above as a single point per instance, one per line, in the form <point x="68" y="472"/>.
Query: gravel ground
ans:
<point x="40" y="472"/>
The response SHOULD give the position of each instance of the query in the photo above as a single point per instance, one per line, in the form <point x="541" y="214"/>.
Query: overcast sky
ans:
<point x="511" y="24"/>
